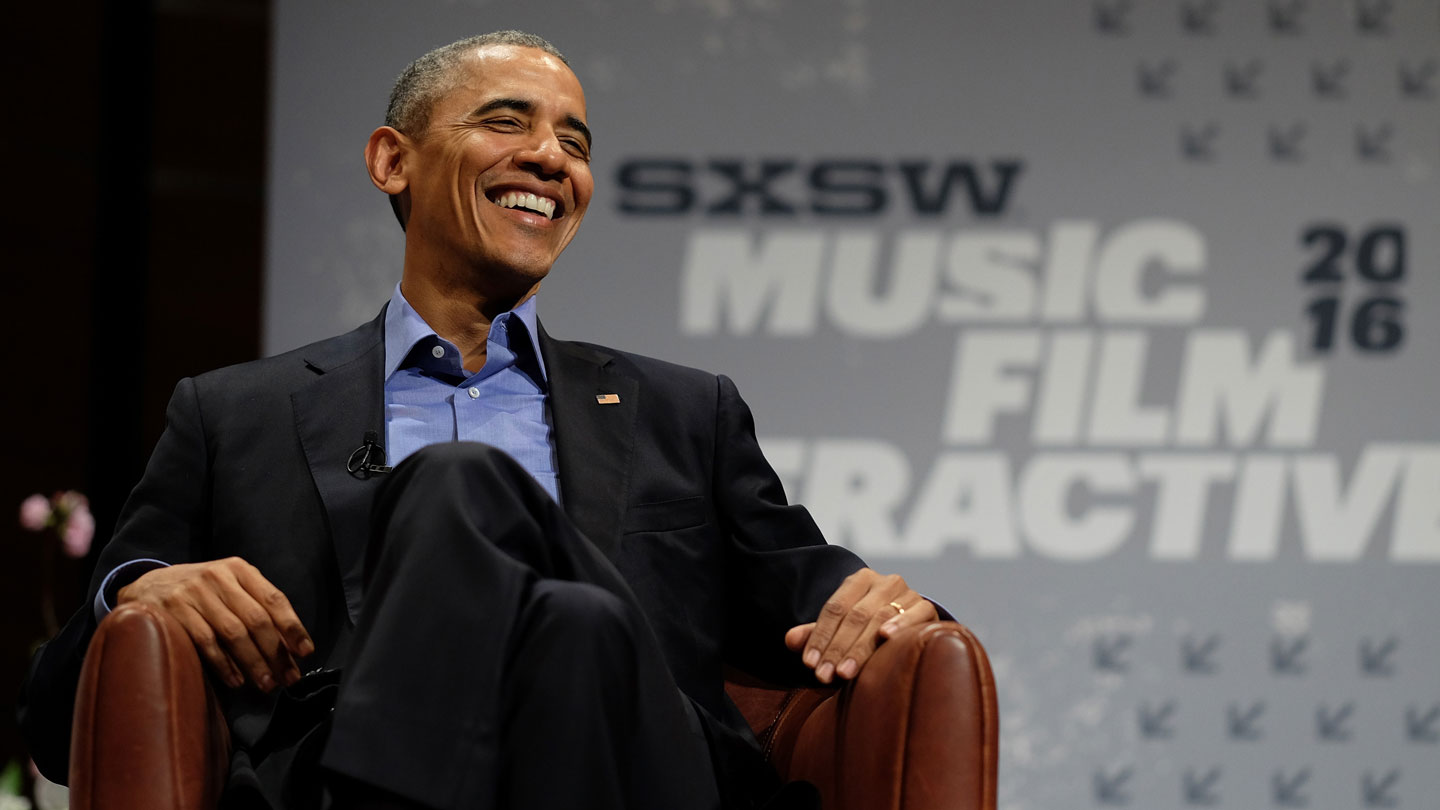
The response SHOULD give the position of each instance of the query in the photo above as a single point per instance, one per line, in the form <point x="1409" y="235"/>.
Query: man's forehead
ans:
<point x="520" y="78"/>
<point x="517" y="64"/>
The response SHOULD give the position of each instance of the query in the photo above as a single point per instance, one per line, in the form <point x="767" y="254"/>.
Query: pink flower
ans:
<point x="70" y="500"/>
<point x="35" y="513"/>
<point x="78" y="532"/>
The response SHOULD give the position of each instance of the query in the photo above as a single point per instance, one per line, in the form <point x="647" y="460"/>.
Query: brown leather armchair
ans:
<point x="918" y="729"/>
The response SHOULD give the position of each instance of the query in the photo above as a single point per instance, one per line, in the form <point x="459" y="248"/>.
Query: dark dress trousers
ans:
<point x="660" y="474"/>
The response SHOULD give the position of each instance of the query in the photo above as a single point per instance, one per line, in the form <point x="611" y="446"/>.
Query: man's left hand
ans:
<point x="855" y="620"/>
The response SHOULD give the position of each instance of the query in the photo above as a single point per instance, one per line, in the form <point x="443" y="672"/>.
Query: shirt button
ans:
<point x="438" y="352"/>
<point x="474" y="392"/>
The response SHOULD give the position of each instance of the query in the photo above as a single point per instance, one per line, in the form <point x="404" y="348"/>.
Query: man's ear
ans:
<point x="385" y="155"/>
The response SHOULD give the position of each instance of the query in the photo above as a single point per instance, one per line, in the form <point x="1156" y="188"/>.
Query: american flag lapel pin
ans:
<point x="607" y="399"/>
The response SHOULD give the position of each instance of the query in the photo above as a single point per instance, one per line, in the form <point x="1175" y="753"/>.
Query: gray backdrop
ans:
<point x="1108" y="324"/>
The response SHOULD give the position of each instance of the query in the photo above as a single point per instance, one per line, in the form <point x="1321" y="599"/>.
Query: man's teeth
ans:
<point x="520" y="199"/>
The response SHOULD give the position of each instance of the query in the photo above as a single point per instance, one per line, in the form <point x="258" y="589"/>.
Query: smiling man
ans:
<point x="488" y="161"/>
<point x="524" y="595"/>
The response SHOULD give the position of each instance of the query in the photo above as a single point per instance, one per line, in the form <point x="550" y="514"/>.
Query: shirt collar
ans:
<point x="404" y="328"/>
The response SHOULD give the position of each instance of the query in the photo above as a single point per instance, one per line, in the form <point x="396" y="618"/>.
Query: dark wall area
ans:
<point x="135" y="139"/>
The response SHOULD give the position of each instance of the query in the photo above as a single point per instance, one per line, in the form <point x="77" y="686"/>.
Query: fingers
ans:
<point x="250" y="634"/>
<point x="233" y="637"/>
<point x="826" y="642"/>
<point x="858" y="633"/>
<point x="209" y="647"/>
<point x="796" y="636"/>
<point x="242" y="625"/>
<point x="922" y="612"/>
<point x="281" y="614"/>
<point x="854" y="621"/>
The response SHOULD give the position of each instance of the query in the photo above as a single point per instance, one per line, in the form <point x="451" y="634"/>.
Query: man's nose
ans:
<point x="543" y="154"/>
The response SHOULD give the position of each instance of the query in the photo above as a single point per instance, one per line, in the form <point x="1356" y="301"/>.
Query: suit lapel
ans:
<point x="332" y="415"/>
<point x="594" y="408"/>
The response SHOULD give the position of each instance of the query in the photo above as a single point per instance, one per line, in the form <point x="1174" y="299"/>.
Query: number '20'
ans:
<point x="1379" y="254"/>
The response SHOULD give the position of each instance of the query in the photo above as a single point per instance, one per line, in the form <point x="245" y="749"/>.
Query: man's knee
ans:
<point x="581" y="626"/>
<point x="581" y="620"/>
<point x="460" y="475"/>
<point x="449" y="458"/>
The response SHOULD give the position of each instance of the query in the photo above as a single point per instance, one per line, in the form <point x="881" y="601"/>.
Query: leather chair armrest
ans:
<point x="148" y="733"/>
<point x="918" y="729"/>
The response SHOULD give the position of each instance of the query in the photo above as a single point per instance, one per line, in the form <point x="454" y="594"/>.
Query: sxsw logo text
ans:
<point x="787" y="186"/>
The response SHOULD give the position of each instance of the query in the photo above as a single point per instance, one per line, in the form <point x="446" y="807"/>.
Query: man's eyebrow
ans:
<point x="516" y="104"/>
<point x="576" y="123"/>
<point x="521" y="105"/>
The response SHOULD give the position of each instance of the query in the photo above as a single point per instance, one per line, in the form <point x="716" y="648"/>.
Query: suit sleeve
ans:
<point x="165" y="518"/>
<point x="780" y="568"/>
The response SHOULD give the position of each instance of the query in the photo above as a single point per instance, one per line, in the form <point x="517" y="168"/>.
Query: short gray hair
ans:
<point x="423" y="81"/>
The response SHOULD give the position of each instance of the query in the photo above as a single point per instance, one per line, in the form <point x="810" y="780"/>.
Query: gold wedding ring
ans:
<point x="896" y="605"/>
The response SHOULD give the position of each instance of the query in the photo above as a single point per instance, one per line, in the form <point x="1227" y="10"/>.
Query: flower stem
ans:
<point x="47" y="588"/>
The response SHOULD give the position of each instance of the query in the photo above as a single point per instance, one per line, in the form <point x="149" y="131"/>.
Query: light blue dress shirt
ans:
<point x="431" y="398"/>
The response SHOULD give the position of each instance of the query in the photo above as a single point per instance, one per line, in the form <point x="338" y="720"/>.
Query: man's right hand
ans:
<point x="241" y="624"/>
